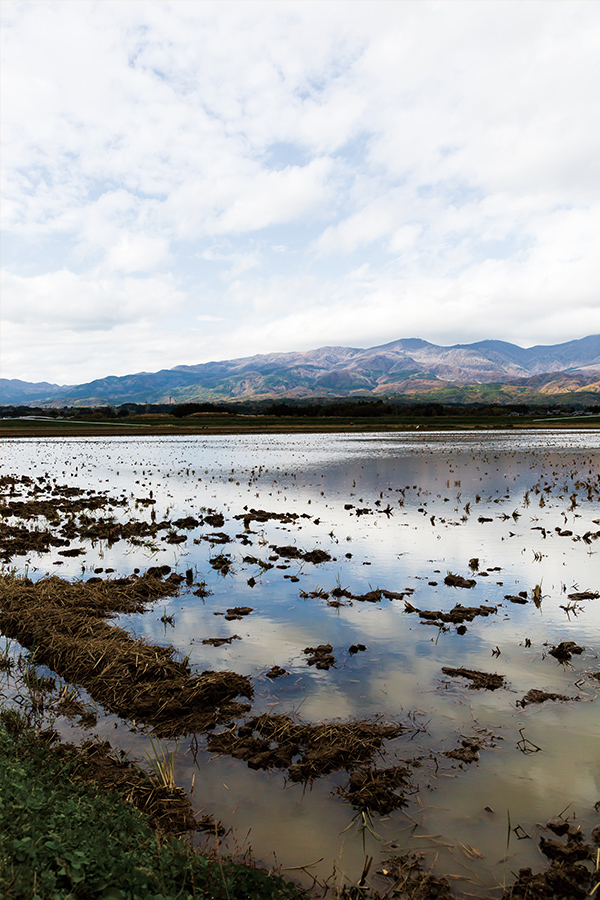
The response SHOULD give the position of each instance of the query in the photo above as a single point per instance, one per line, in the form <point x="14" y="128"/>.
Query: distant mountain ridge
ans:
<point x="406" y="366"/>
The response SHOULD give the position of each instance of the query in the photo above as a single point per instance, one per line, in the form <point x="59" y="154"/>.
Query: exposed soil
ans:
<point x="263" y="515"/>
<point x="218" y="642"/>
<point x="376" y="789"/>
<point x="168" y="808"/>
<point x="339" y="594"/>
<point x="458" y="581"/>
<point x="237" y="612"/>
<point x="304" y="751"/>
<point x="320" y="657"/>
<point x="64" y="624"/>
<point x="410" y="879"/>
<point x="467" y="752"/>
<point x="276" y="672"/>
<point x="221" y="563"/>
<point x="455" y="616"/>
<point x="218" y="537"/>
<point x="565" y="651"/>
<point x="537" y="696"/>
<point x="313" y="556"/>
<point x="570" y="874"/>
<point x="479" y="680"/>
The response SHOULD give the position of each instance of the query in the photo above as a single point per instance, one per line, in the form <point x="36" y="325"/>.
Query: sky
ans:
<point x="194" y="181"/>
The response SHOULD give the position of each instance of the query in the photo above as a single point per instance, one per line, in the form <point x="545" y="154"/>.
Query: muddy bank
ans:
<point x="168" y="807"/>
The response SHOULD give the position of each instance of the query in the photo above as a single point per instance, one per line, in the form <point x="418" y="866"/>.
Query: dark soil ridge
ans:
<point x="456" y="616"/>
<point x="538" y="696"/>
<point x="479" y="680"/>
<point x="340" y="593"/>
<point x="63" y="624"/>
<point x="305" y="751"/>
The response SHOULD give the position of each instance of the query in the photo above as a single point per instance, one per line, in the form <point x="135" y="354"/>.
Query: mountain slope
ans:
<point x="406" y="366"/>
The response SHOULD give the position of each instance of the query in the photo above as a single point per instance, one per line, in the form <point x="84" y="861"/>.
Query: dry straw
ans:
<point x="64" y="625"/>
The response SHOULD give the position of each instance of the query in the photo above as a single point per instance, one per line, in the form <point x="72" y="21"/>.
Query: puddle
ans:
<point x="444" y="586"/>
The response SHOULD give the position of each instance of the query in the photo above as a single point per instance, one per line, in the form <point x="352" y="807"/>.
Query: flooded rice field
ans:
<point x="382" y="643"/>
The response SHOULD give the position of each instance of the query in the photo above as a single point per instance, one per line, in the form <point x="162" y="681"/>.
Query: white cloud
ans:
<point x="63" y="300"/>
<point x="316" y="173"/>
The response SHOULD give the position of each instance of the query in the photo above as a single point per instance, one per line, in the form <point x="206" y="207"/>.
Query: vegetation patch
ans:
<point x="64" y="836"/>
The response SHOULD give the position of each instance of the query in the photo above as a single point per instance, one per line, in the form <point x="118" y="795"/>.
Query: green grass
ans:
<point x="63" y="839"/>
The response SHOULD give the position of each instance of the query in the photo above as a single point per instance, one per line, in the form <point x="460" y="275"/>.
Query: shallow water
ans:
<point x="424" y="497"/>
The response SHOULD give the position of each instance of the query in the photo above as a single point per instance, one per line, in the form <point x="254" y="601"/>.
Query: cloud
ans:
<point x="293" y="175"/>
<point x="62" y="300"/>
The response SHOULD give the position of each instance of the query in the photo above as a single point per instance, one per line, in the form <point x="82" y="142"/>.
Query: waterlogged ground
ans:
<point x="370" y="627"/>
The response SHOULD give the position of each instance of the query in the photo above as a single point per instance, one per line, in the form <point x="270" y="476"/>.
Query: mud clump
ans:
<point x="215" y="520"/>
<point x="276" y="672"/>
<point x="565" y="651"/>
<point x="16" y="540"/>
<point x="188" y="522"/>
<point x="537" y="696"/>
<point x="263" y="515"/>
<point x="221" y="563"/>
<point x="66" y="625"/>
<point x="569" y="875"/>
<point x="305" y="751"/>
<point x="410" y="879"/>
<point x="218" y="642"/>
<point x="468" y="752"/>
<point x="458" y="581"/>
<point x="320" y="657"/>
<point x="455" y="616"/>
<point x="313" y="556"/>
<point x="238" y="612"/>
<point x="218" y="537"/>
<point x="479" y="680"/>
<point x="376" y="789"/>
<point x="341" y="594"/>
<point x="317" y="556"/>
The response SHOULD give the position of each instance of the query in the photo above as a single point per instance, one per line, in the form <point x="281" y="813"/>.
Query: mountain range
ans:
<point x="404" y="367"/>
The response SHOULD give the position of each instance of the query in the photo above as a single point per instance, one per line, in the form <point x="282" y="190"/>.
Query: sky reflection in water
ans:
<point x="425" y="496"/>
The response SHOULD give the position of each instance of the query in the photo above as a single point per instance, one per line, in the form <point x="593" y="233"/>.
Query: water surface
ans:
<point x="395" y="512"/>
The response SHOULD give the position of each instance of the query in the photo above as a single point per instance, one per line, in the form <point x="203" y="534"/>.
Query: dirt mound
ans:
<point x="320" y="657"/>
<point x="409" y="879"/>
<point x="376" y="789"/>
<point x="305" y="751"/>
<point x="458" y="581"/>
<point x="64" y="624"/>
<point x="263" y="515"/>
<point x="564" y="651"/>
<point x="479" y="680"/>
<point x="569" y="875"/>
<point x="455" y="616"/>
<point x="313" y="556"/>
<point x="537" y="696"/>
